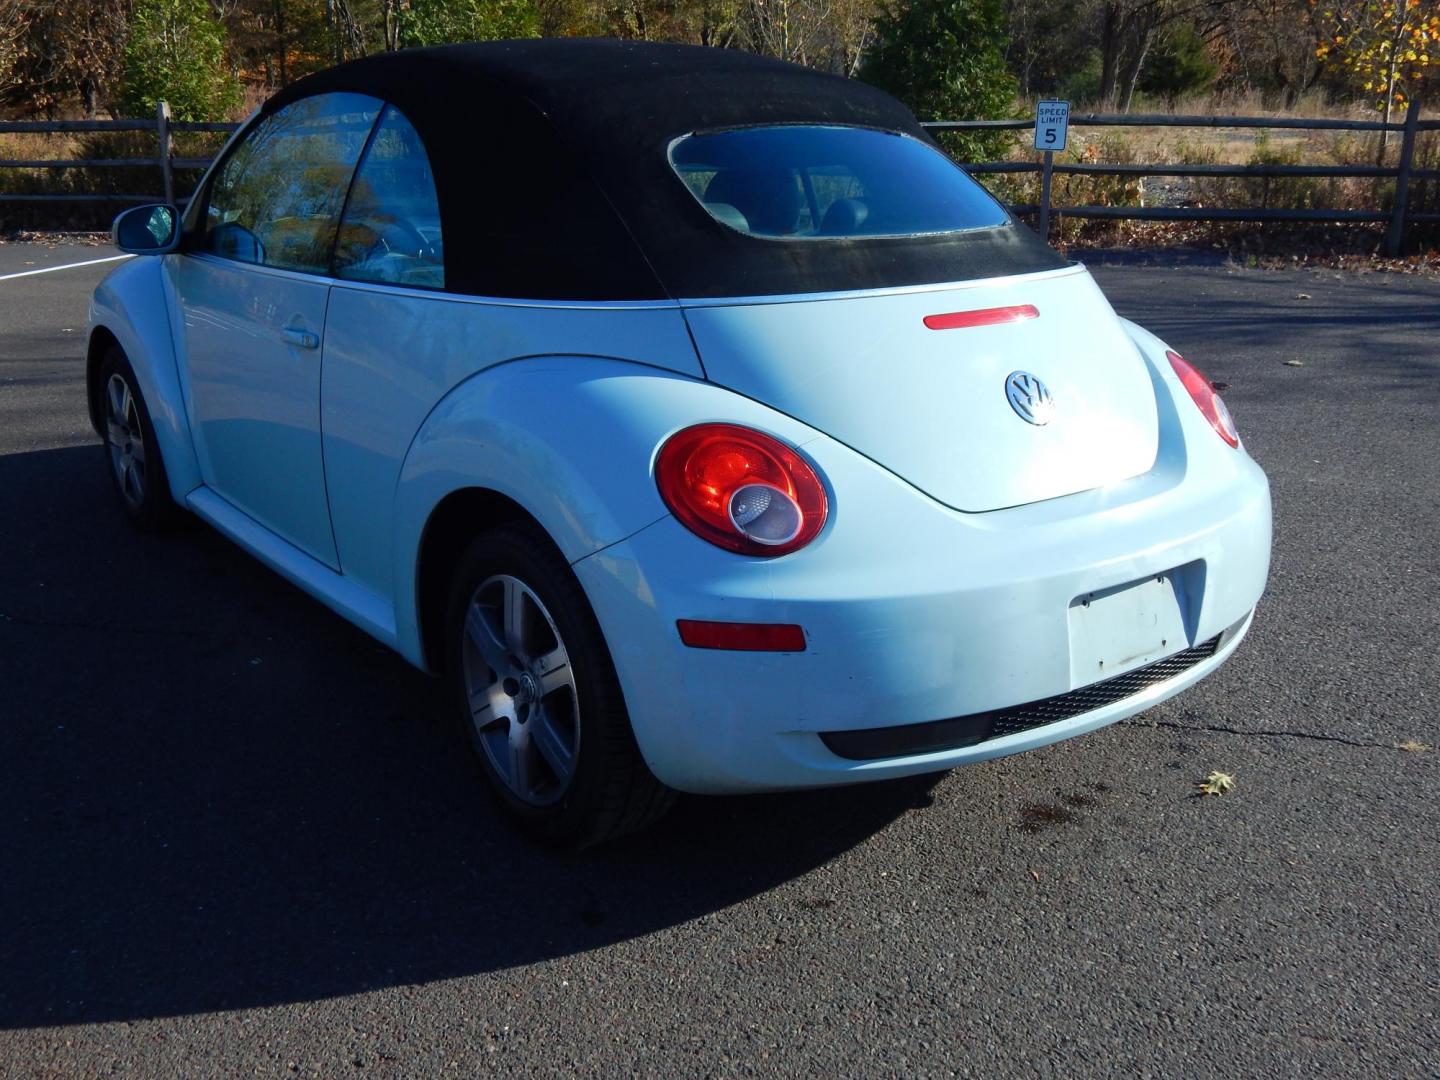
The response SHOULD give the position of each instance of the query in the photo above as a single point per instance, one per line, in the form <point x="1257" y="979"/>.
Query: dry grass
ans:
<point x="1315" y="104"/>
<point x="143" y="179"/>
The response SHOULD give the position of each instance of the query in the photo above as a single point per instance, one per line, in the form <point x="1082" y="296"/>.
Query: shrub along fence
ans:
<point x="1400" y="217"/>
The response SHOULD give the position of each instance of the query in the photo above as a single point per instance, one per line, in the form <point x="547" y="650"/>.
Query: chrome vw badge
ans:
<point x="1029" y="397"/>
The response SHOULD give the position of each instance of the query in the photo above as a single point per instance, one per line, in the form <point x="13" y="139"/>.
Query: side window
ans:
<point x="277" y="199"/>
<point x="391" y="229"/>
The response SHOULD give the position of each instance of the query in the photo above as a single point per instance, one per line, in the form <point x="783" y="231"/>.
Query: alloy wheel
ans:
<point x="520" y="690"/>
<point x="125" y="439"/>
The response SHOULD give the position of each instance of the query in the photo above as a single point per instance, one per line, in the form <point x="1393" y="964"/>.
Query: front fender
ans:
<point x="131" y="304"/>
<point x="570" y="439"/>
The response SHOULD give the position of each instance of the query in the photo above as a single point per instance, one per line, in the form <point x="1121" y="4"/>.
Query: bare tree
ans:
<point x="1128" y="29"/>
<point x="826" y="34"/>
<point x="58" y="53"/>
<point x="347" y="35"/>
<point x="1268" y="45"/>
<point x="13" y="27"/>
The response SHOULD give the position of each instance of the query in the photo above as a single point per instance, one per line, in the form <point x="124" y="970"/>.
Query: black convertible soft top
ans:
<point x="550" y="163"/>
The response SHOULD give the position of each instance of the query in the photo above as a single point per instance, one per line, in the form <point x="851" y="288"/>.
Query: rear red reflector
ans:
<point x="956" y="320"/>
<point x="744" y="637"/>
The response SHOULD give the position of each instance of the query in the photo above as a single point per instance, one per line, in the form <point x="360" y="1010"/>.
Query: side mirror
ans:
<point x="147" y="230"/>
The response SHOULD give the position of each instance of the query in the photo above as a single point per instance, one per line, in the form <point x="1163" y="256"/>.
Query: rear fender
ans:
<point x="570" y="439"/>
<point x="132" y="306"/>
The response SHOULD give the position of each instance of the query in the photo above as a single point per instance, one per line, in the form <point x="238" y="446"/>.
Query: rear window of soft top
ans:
<point x="816" y="182"/>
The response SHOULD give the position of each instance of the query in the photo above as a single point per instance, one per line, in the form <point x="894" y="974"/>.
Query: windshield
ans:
<point x="797" y="181"/>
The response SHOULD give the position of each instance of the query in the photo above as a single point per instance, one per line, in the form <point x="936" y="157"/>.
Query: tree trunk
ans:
<point x="281" y="67"/>
<point x="1135" y="63"/>
<point x="1110" y="44"/>
<point x="1389" y="107"/>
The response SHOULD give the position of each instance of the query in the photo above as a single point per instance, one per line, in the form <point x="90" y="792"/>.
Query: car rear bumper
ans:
<point x="935" y="736"/>
<point x="915" y="614"/>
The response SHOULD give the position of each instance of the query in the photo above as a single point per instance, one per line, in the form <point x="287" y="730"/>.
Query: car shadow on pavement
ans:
<point x="215" y="794"/>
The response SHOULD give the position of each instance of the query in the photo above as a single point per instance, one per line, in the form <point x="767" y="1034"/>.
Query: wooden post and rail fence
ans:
<point x="1398" y="219"/>
<point x="163" y="159"/>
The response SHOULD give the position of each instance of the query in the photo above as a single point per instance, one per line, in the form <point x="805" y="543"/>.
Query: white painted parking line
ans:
<point x="64" y="266"/>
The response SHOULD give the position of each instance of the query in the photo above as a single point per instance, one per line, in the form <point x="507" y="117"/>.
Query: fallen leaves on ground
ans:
<point x="1271" y="246"/>
<point x="1217" y="783"/>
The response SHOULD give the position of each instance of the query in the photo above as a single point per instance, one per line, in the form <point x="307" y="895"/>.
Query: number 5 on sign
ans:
<point x="1052" y="119"/>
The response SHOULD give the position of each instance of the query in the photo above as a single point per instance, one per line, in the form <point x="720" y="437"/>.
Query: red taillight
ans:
<point x="1205" y="398"/>
<point x="957" y="320"/>
<point x="740" y="489"/>
<point x="743" y="637"/>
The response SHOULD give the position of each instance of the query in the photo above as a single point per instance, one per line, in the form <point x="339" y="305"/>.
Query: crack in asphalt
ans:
<point x="1220" y="729"/>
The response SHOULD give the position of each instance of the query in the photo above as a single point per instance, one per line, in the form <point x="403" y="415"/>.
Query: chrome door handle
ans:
<point x="301" y="339"/>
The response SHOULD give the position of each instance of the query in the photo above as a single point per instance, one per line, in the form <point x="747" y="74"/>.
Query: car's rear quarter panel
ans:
<point x="424" y="394"/>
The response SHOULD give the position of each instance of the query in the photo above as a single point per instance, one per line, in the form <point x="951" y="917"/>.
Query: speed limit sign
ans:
<point x="1052" y="118"/>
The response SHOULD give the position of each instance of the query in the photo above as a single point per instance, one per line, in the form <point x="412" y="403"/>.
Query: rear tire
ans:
<point x="536" y="696"/>
<point x="132" y="453"/>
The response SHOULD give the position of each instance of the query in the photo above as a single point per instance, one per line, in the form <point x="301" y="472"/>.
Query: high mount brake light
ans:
<point x="1202" y="392"/>
<point x="958" y="320"/>
<point x="740" y="489"/>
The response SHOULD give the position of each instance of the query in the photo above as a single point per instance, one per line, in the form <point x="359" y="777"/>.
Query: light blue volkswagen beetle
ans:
<point x="695" y="417"/>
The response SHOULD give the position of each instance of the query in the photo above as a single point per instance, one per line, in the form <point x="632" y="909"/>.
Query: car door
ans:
<point x="390" y="353"/>
<point x="252" y="290"/>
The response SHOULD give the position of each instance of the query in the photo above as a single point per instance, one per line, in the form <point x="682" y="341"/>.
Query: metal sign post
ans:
<point x="1052" y="125"/>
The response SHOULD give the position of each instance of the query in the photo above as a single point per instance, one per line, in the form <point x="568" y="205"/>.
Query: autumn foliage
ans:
<point x="1389" y="48"/>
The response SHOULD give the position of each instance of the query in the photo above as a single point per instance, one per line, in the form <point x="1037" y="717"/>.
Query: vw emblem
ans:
<point x="1029" y="397"/>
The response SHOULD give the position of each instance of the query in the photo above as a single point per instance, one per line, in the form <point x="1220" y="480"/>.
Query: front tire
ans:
<point x="537" y="698"/>
<point x="132" y="453"/>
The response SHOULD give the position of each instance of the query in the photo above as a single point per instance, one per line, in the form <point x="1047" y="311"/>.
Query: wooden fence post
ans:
<point x="1395" y="238"/>
<point x="162" y="138"/>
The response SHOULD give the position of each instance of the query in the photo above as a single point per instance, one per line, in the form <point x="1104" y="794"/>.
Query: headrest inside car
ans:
<point x="769" y="199"/>
<point x="844" y="217"/>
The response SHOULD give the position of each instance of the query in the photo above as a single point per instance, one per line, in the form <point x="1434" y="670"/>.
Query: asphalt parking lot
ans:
<point x="235" y="839"/>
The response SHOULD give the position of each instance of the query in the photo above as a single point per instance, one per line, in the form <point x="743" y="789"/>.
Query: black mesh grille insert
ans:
<point x="870" y="743"/>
